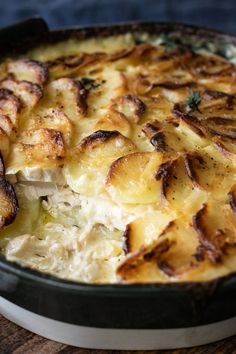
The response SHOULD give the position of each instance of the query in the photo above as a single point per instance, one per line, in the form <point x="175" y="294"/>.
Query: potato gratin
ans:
<point x="118" y="160"/>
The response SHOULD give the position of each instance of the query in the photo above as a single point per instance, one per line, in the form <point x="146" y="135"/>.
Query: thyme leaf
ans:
<point x="193" y="101"/>
<point x="172" y="43"/>
<point x="169" y="42"/>
<point x="89" y="83"/>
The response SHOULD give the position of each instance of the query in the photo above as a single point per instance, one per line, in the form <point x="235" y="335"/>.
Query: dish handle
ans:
<point x="28" y="30"/>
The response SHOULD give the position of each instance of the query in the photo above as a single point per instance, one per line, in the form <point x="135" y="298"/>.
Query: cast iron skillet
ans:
<point x="149" y="306"/>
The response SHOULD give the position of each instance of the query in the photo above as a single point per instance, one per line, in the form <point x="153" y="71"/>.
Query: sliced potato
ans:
<point x="163" y="258"/>
<point x="52" y="118"/>
<point x="4" y="144"/>
<point x="28" y="92"/>
<point x="226" y="147"/>
<point x="101" y="100"/>
<point x="146" y="229"/>
<point x="68" y="95"/>
<point x="37" y="147"/>
<point x="216" y="231"/>
<point x="114" y="120"/>
<point x="131" y="178"/>
<point x="177" y="187"/>
<point x="232" y="198"/>
<point x="74" y="64"/>
<point x="10" y="106"/>
<point x="88" y="164"/>
<point x="8" y="203"/>
<point x="131" y="106"/>
<point x="29" y="70"/>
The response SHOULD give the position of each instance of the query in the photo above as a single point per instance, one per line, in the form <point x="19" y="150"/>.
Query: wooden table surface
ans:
<point x="16" y="340"/>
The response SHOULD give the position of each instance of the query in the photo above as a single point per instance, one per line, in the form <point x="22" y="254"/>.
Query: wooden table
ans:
<point x="16" y="340"/>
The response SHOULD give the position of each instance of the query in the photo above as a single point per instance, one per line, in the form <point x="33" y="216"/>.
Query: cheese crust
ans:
<point x="118" y="160"/>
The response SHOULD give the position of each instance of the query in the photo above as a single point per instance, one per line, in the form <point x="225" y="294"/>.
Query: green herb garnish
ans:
<point x="222" y="53"/>
<point x="89" y="83"/>
<point x="193" y="101"/>
<point x="138" y="41"/>
<point x="170" y="43"/>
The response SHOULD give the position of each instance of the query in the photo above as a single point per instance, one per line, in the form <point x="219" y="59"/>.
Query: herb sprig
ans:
<point x="193" y="101"/>
<point x="170" y="43"/>
<point x="89" y="83"/>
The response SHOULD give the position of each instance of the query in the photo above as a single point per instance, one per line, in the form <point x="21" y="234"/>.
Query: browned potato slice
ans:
<point x="215" y="227"/>
<point x="4" y="143"/>
<point x="114" y="120"/>
<point x="52" y="118"/>
<point x="8" y="200"/>
<point x="9" y="112"/>
<point x="210" y="65"/>
<point x="74" y="64"/>
<point x="28" y="93"/>
<point x="217" y="103"/>
<point x="68" y="95"/>
<point x="29" y="70"/>
<point x="232" y="198"/>
<point x="104" y="143"/>
<point x="170" y="137"/>
<point x="210" y="172"/>
<point x="88" y="164"/>
<point x="2" y="167"/>
<point x="8" y="203"/>
<point x="9" y="105"/>
<point x="178" y="190"/>
<point x="191" y="125"/>
<point x="165" y="257"/>
<point x="101" y="100"/>
<point x="131" y="179"/>
<point x="145" y="229"/>
<point x="131" y="106"/>
<point x="7" y="126"/>
<point x="226" y="147"/>
<point x="37" y="147"/>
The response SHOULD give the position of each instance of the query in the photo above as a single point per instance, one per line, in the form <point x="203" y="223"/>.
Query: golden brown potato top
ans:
<point x="142" y="125"/>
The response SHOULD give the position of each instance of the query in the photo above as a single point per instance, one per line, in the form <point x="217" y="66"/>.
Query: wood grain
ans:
<point x="16" y="340"/>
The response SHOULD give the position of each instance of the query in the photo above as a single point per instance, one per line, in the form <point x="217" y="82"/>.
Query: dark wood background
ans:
<point x="16" y="340"/>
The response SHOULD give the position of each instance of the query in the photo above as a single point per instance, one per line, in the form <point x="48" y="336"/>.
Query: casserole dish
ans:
<point x="130" y="316"/>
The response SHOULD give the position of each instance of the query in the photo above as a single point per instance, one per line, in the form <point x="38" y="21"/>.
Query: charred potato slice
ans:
<point x="8" y="203"/>
<point x="114" y="120"/>
<point x="232" y="198"/>
<point x="215" y="230"/>
<point x="179" y="188"/>
<point x="209" y="173"/>
<point x="165" y="257"/>
<point x="169" y="137"/>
